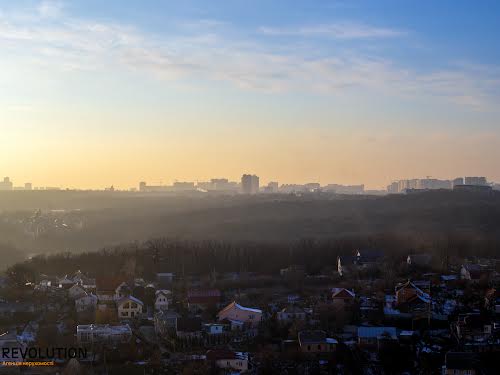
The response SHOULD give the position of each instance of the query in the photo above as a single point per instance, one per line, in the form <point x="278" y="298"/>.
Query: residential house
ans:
<point x="88" y="302"/>
<point x="245" y="315"/>
<point x="89" y="334"/>
<point x="81" y="279"/>
<point x="88" y="283"/>
<point x="375" y="336"/>
<point x="316" y="342"/>
<point x="369" y="257"/>
<point x="76" y="291"/>
<point x="161" y="299"/>
<point x="408" y="291"/>
<point x="48" y="282"/>
<point x="129" y="307"/>
<point x="410" y="298"/>
<point x="228" y="360"/>
<point x="166" y="323"/>
<point x="122" y="290"/>
<point x="65" y="282"/>
<point x="343" y="298"/>
<point x="204" y="298"/>
<point x="364" y="258"/>
<point x="106" y="288"/>
<point x="290" y="314"/>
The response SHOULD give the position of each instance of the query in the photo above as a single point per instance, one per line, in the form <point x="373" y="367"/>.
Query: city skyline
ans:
<point x="251" y="184"/>
<point x="97" y="94"/>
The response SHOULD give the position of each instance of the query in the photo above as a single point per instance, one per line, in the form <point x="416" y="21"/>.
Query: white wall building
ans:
<point x="103" y="333"/>
<point x="161" y="301"/>
<point x="86" y="303"/>
<point x="129" y="307"/>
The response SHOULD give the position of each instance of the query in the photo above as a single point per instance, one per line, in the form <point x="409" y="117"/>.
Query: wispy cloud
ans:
<point x="208" y="51"/>
<point x="50" y="8"/>
<point x="346" y="30"/>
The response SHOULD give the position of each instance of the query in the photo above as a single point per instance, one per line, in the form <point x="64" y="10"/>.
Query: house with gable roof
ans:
<point x="161" y="299"/>
<point x="343" y="298"/>
<point x="246" y="316"/>
<point x="129" y="307"/>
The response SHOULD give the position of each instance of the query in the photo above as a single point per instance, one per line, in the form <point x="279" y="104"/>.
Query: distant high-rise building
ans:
<point x="393" y="188"/>
<point x="28" y="186"/>
<point x="218" y="184"/>
<point x="183" y="186"/>
<point x="312" y="186"/>
<point x="145" y="188"/>
<point x="402" y="186"/>
<point x="475" y="181"/>
<point x="6" y="184"/>
<point x="345" y="189"/>
<point x="273" y="187"/>
<point x="433" y="183"/>
<point x="249" y="184"/>
<point x="223" y="184"/>
<point x="204" y="185"/>
<point x="458" y="181"/>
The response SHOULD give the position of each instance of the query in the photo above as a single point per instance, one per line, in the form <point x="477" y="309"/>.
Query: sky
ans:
<point x="95" y="93"/>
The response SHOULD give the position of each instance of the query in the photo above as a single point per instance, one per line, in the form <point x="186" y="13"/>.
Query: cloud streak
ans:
<point x="208" y="52"/>
<point x="344" y="30"/>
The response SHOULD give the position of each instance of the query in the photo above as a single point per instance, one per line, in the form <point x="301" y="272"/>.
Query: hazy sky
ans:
<point x="94" y="93"/>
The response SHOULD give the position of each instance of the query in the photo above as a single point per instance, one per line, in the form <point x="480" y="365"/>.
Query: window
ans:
<point x="124" y="313"/>
<point x="134" y="305"/>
